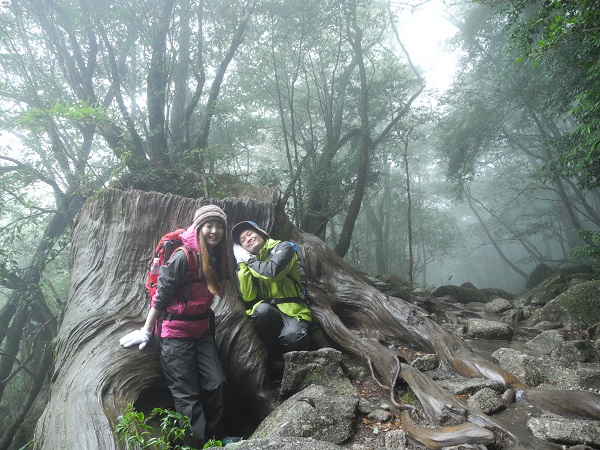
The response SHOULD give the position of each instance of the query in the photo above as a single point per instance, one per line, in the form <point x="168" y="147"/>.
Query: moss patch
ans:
<point x="576" y="308"/>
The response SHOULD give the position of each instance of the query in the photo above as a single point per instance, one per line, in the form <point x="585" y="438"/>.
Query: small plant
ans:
<point x="590" y="251"/>
<point x="133" y="429"/>
<point x="213" y="443"/>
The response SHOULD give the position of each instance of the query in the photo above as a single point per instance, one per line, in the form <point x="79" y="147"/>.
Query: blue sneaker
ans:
<point x="230" y="440"/>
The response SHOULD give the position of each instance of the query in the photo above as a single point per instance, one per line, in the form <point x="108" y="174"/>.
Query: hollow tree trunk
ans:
<point x="94" y="378"/>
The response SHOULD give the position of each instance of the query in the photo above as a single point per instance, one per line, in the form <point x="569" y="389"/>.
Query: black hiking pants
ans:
<point x="280" y="332"/>
<point x="194" y="375"/>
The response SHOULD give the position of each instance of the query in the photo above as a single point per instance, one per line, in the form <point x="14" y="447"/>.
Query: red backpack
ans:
<point x="164" y="250"/>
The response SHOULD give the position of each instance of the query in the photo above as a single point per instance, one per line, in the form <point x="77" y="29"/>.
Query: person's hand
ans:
<point x="136" y="337"/>
<point x="241" y="254"/>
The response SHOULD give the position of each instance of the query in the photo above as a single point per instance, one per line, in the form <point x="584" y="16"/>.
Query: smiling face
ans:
<point x="212" y="232"/>
<point x="251" y="241"/>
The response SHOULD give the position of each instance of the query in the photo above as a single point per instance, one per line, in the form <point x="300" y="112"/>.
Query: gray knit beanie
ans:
<point x="206" y="213"/>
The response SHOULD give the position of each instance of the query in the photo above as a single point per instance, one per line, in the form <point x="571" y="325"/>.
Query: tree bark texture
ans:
<point x="94" y="378"/>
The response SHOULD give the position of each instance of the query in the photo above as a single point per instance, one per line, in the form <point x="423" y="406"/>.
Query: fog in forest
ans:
<point x="436" y="142"/>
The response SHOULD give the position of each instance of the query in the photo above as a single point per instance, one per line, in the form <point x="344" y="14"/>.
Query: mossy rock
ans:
<point x="577" y="308"/>
<point x="544" y="292"/>
<point x="461" y="294"/>
<point x="540" y="273"/>
<point x="577" y="269"/>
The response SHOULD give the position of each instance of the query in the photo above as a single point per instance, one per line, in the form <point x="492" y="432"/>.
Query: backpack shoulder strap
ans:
<point x="192" y="259"/>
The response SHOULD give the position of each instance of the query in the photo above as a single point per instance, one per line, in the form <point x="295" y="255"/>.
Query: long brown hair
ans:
<point x="213" y="267"/>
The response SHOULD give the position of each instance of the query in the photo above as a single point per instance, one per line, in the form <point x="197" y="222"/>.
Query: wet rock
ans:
<point x="458" y="329"/>
<point x="594" y="332"/>
<point x="287" y="443"/>
<point x="471" y="385"/>
<point x="558" y="377"/>
<point x="575" y="309"/>
<point x="487" y="401"/>
<point x="425" y="362"/>
<point x="569" y="353"/>
<point x="370" y="444"/>
<point x="509" y="396"/>
<point x="323" y="367"/>
<point x="542" y="293"/>
<point x="540" y="273"/>
<point x="380" y="416"/>
<point x="461" y="294"/>
<point x="566" y="431"/>
<point x="395" y="440"/>
<point x="588" y="375"/>
<point x="498" y="305"/>
<point x="366" y="407"/>
<point x="488" y="329"/>
<point x="315" y="412"/>
<point x="492" y="293"/>
<point x="546" y="341"/>
<point x="546" y="325"/>
<point x="521" y="365"/>
<point x="513" y="315"/>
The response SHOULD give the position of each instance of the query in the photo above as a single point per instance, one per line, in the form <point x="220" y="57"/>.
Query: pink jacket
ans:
<point x="172" y="285"/>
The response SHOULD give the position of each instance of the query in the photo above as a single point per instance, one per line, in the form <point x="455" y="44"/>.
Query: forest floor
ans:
<point x="370" y="434"/>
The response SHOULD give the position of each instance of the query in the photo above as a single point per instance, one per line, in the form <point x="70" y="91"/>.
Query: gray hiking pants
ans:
<point x="194" y="375"/>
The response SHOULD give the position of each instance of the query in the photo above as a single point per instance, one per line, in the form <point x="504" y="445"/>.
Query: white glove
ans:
<point x="241" y="254"/>
<point x="140" y="336"/>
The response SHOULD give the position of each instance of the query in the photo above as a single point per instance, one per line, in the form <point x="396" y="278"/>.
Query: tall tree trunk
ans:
<point x="94" y="378"/>
<point x="409" y="227"/>
<point x="364" y="151"/>
<point x="156" y="95"/>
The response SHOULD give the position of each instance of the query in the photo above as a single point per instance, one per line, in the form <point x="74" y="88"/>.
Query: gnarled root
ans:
<point x="440" y="437"/>
<point x="392" y="388"/>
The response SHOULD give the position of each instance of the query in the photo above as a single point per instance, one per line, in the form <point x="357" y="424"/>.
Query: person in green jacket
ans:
<point x="269" y="280"/>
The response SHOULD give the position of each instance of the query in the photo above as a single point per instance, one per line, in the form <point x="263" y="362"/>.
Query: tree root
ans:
<point x="440" y="437"/>
<point x="392" y="388"/>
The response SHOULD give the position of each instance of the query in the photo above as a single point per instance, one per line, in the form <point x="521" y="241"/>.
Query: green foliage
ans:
<point x="36" y="118"/>
<point x="542" y="30"/>
<point x="134" y="430"/>
<point x="591" y="251"/>
<point x="213" y="443"/>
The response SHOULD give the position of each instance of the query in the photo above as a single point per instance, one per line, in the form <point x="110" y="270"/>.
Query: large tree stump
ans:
<point x="94" y="378"/>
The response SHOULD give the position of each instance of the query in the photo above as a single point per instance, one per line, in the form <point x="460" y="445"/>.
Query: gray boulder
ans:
<point x="487" y="401"/>
<point x="546" y="341"/>
<point x="471" y="386"/>
<point x="498" y="305"/>
<point x="523" y="366"/>
<point x="395" y="440"/>
<point x="542" y="372"/>
<point x="322" y="367"/>
<point x="315" y="412"/>
<point x="286" y="443"/>
<point x="566" y="431"/>
<point x="588" y="375"/>
<point x="569" y="353"/>
<point x="576" y="308"/>
<point x="425" y="362"/>
<point x="489" y="329"/>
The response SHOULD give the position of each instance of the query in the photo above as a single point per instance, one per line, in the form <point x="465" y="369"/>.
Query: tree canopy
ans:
<point x="318" y="99"/>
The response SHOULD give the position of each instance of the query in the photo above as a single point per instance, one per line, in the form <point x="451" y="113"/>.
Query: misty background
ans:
<point x="439" y="142"/>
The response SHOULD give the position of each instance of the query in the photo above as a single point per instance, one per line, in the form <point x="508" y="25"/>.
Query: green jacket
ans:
<point x="273" y="275"/>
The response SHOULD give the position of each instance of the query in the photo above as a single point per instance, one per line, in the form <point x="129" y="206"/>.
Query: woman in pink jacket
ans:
<point x="181" y="305"/>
